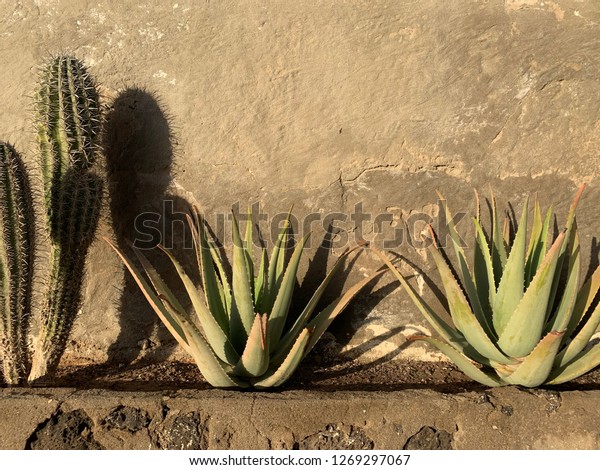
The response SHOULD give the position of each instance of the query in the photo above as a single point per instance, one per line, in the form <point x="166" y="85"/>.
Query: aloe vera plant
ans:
<point x="519" y="315"/>
<point x="241" y="336"/>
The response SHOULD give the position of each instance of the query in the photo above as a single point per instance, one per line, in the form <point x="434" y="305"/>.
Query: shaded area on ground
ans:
<point x="442" y="377"/>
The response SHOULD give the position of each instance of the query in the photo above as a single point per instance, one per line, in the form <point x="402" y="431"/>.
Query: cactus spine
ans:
<point x="68" y="127"/>
<point x="16" y="264"/>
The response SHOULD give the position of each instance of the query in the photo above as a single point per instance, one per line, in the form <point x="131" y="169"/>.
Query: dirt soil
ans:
<point x="330" y="376"/>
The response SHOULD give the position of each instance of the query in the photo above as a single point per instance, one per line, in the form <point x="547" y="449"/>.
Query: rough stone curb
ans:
<point x="507" y="418"/>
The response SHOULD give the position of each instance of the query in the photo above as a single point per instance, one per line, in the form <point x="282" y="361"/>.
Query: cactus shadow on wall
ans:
<point x="139" y="153"/>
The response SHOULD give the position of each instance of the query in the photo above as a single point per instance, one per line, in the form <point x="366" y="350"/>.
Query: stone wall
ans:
<point x="505" y="418"/>
<point x="331" y="106"/>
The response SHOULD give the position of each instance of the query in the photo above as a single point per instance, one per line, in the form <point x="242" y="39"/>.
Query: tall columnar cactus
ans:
<point x="16" y="265"/>
<point x="68" y="127"/>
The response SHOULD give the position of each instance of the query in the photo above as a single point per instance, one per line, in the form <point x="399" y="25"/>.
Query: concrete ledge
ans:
<point x="507" y="418"/>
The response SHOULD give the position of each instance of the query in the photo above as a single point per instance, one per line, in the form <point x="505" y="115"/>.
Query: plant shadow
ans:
<point x="139" y="151"/>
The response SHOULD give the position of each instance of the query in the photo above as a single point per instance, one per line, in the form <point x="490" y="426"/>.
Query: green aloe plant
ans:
<point x="241" y="336"/>
<point x="519" y="315"/>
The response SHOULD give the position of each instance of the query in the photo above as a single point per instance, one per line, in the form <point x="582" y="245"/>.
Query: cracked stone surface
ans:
<point x="127" y="418"/>
<point x="326" y="106"/>
<point x="64" y="431"/>
<point x="335" y="437"/>
<point x="509" y="418"/>
<point x="183" y="432"/>
<point x="429" y="438"/>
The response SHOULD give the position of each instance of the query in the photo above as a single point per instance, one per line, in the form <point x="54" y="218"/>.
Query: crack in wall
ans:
<point x="369" y="169"/>
<point x="256" y="428"/>
<point x="450" y="167"/>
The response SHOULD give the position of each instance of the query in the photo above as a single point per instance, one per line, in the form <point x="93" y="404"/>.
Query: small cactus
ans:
<point x="16" y="265"/>
<point x="68" y="128"/>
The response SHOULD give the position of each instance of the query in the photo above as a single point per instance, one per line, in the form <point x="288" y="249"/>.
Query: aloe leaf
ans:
<point x="437" y="323"/>
<point x="158" y="306"/>
<point x="536" y="367"/>
<point x="538" y="243"/>
<point x="585" y="297"/>
<point x="281" y="265"/>
<point x="568" y="227"/>
<point x="323" y="319"/>
<point x="159" y="285"/>
<point x="289" y="365"/>
<point x="561" y="318"/>
<point x="288" y="339"/>
<point x="483" y="270"/>
<point x="499" y="255"/>
<point x="462" y="315"/>
<point x="272" y="286"/>
<point x="510" y="289"/>
<point x="536" y="228"/>
<point x="581" y="340"/>
<point x="462" y="362"/>
<point x="215" y="336"/>
<point x="248" y="242"/>
<point x="260" y="283"/>
<point x="279" y="312"/>
<point x="213" y="290"/>
<point x="211" y="368"/>
<point x="468" y="283"/>
<point x="223" y="282"/>
<point x="583" y="362"/>
<point x="573" y="207"/>
<point x="506" y="233"/>
<point x="524" y="329"/>
<point x="584" y="300"/>
<point x="503" y="370"/>
<point x="477" y="204"/>
<point x="449" y="334"/>
<point x="242" y="308"/>
<point x="319" y="324"/>
<point x="255" y="359"/>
